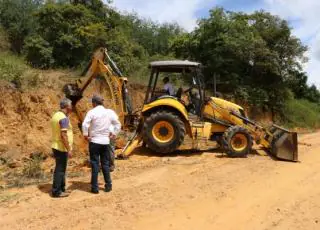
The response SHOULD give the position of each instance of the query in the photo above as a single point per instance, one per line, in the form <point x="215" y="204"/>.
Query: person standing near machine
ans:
<point x="62" y="140"/>
<point x="99" y="126"/>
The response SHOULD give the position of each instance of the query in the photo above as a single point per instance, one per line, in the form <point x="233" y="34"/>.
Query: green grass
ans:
<point x="12" y="67"/>
<point x="302" y="113"/>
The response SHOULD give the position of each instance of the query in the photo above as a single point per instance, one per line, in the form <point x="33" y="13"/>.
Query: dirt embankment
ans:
<point x="24" y="125"/>
<point x="25" y="116"/>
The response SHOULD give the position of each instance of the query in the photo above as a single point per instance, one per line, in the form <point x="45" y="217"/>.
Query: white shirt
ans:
<point x="168" y="87"/>
<point x="99" y="123"/>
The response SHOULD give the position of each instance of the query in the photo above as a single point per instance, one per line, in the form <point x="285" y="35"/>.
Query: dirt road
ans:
<point x="204" y="191"/>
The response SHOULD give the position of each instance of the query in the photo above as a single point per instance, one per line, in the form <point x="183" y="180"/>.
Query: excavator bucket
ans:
<point x="72" y="92"/>
<point x="283" y="144"/>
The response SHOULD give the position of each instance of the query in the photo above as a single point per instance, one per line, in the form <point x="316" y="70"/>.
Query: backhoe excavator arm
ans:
<point x="116" y="82"/>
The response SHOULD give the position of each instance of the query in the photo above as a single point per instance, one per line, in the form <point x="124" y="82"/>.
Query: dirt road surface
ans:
<point x="199" y="191"/>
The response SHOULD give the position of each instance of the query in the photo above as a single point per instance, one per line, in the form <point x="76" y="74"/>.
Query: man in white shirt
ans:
<point x="168" y="87"/>
<point x="99" y="125"/>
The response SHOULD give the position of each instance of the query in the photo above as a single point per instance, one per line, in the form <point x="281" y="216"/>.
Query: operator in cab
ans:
<point x="168" y="87"/>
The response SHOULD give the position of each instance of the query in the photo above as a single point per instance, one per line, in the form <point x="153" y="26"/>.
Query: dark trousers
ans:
<point x="59" y="176"/>
<point x="103" y="152"/>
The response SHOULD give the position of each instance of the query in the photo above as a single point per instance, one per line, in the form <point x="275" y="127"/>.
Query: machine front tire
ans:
<point x="163" y="131"/>
<point x="237" y="141"/>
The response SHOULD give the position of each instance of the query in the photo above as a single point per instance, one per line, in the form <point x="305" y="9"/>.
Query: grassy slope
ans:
<point x="11" y="66"/>
<point x="302" y="113"/>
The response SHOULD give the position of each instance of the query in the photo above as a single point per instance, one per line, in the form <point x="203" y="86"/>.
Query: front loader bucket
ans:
<point x="284" y="144"/>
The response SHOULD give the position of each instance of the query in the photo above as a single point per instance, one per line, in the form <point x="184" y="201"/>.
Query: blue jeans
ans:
<point x="59" y="176"/>
<point x="99" y="151"/>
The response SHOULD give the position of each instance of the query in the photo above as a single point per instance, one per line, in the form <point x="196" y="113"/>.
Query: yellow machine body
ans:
<point x="222" y="114"/>
<point x="171" y="120"/>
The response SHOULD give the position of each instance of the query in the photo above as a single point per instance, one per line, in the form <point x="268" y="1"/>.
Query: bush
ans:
<point x="33" y="168"/>
<point x="38" y="52"/>
<point x="302" y="113"/>
<point x="11" y="67"/>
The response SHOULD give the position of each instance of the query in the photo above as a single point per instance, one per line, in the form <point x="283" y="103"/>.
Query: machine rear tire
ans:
<point x="163" y="131"/>
<point x="237" y="141"/>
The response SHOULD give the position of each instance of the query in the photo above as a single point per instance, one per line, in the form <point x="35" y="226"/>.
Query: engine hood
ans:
<point x="227" y="104"/>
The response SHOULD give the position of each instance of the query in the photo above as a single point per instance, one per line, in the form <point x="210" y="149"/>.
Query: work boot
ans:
<point x="61" y="195"/>
<point x="66" y="191"/>
<point x="94" y="191"/>
<point x="108" y="188"/>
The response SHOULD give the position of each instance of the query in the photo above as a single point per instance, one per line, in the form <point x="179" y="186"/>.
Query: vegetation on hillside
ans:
<point x="254" y="56"/>
<point x="302" y="113"/>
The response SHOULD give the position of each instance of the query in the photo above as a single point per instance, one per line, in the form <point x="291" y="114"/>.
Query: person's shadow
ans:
<point x="75" y="185"/>
<point x="81" y="186"/>
<point x="45" y="188"/>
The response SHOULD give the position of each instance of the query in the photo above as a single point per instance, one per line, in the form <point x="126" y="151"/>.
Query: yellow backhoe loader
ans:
<point x="164" y="121"/>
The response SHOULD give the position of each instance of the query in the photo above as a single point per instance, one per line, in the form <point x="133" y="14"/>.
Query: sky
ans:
<point x="303" y="17"/>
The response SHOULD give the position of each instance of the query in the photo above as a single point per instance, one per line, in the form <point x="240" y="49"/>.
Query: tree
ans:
<point x="155" y="38"/>
<point x="97" y="7"/>
<point x="313" y="94"/>
<point x="38" y="52"/>
<point x="71" y="31"/>
<point x="297" y="82"/>
<point x="254" y="53"/>
<point x="16" y="16"/>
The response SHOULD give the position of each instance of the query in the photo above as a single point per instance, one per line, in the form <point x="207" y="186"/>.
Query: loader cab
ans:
<point x="186" y="78"/>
